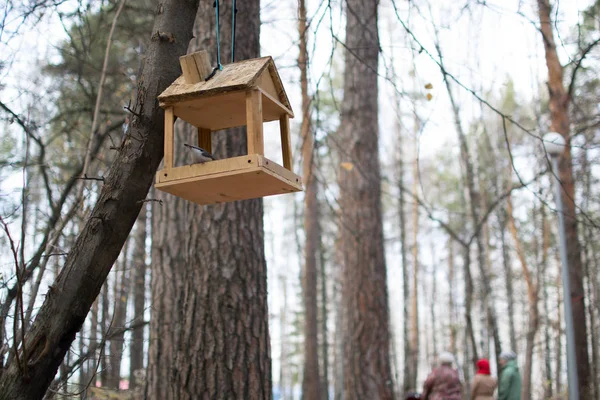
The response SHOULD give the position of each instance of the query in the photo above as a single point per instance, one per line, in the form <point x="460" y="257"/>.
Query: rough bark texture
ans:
<point x="139" y="299"/>
<point x="559" y="112"/>
<point x="367" y="372"/>
<point x="311" y="385"/>
<point x="97" y="247"/>
<point x="209" y="331"/>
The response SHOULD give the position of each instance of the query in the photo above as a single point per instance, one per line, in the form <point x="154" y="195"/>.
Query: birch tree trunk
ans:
<point x="136" y="362"/>
<point x="209" y="331"/>
<point x="367" y="371"/>
<point x="88" y="263"/>
<point x="559" y="112"/>
<point x="414" y="293"/>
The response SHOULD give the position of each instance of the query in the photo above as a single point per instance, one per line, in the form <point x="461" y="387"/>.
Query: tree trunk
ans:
<point x="559" y="334"/>
<point x="210" y="270"/>
<point x="88" y="374"/>
<point x="367" y="372"/>
<point x="433" y="304"/>
<point x="105" y="322"/>
<point x="548" y="393"/>
<point x="117" y="332"/>
<point x="324" y="316"/>
<point x="406" y="377"/>
<point x="469" y="334"/>
<point x="508" y="279"/>
<point x="139" y="300"/>
<point x="414" y="299"/>
<point x="532" y="298"/>
<point x="311" y="385"/>
<point x="338" y="357"/>
<point x="85" y="269"/>
<point x="283" y="351"/>
<point x="591" y="272"/>
<point x="559" y="112"/>
<point x="451" y="317"/>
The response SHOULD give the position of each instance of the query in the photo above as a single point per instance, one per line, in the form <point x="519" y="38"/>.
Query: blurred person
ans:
<point x="483" y="385"/>
<point x="443" y="383"/>
<point x="510" y="379"/>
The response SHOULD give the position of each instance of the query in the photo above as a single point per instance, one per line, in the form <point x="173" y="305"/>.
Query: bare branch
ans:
<point x="584" y="53"/>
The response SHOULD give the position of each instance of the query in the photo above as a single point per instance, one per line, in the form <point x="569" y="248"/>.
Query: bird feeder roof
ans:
<point x="239" y="76"/>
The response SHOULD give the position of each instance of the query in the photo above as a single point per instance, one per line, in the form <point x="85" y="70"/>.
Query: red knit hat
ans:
<point x="483" y="366"/>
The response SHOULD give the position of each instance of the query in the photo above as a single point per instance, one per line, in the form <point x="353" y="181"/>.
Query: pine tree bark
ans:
<point x="367" y="372"/>
<point x="136" y="362"/>
<point x="87" y="265"/>
<point x="559" y="112"/>
<point x="209" y="272"/>
<point x="311" y="384"/>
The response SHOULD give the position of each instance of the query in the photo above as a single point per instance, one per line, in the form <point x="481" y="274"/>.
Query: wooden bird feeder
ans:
<point x="247" y="93"/>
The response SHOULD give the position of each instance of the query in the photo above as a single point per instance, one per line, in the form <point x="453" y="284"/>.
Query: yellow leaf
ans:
<point x="429" y="96"/>
<point x="348" y="166"/>
<point x="429" y="86"/>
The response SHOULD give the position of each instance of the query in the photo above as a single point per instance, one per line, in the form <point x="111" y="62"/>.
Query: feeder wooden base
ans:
<point x="220" y="181"/>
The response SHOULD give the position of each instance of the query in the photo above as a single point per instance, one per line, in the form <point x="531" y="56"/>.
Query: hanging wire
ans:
<point x="234" y="10"/>
<point x="219" y="66"/>
<point x="233" y="13"/>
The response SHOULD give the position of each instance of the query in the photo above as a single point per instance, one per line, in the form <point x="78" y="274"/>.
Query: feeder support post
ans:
<point x="169" y="122"/>
<point x="205" y="139"/>
<point x="286" y="145"/>
<point x="254" y="120"/>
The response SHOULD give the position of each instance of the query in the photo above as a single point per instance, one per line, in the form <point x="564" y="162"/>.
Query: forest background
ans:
<point x="468" y="216"/>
